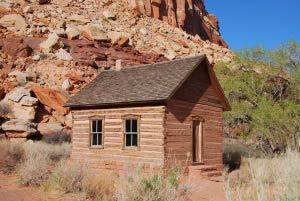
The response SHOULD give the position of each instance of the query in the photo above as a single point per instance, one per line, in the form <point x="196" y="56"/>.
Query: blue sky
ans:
<point x="246" y="23"/>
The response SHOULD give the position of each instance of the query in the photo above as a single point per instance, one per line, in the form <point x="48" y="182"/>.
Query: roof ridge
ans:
<point x="158" y="63"/>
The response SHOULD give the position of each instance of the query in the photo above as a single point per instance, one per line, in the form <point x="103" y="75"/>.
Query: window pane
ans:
<point x="99" y="126"/>
<point x="94" y="140"/>
<point x="128" y="140"/>
<point x="127" y="126"/>
<point x="99" y="139"/>
<point x="134" y="140"/>
<point x="94" y="124"/>
<point x="134" y="125"/>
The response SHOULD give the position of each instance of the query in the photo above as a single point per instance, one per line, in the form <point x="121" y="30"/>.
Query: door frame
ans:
<point x="197" y="139"/>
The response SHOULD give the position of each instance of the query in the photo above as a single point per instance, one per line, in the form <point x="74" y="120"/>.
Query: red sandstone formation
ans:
<point x="189" y="15"/>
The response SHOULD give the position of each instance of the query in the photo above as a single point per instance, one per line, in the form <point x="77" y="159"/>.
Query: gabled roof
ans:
<point x="139" y="84"/>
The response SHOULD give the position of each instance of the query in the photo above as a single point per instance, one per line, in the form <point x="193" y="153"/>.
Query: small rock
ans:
<point x="79" y="18"/>
<point x="109" y="15"/>
<point x="72" y="33"/>
<point x="22" y="77"/>
<point x="64" y="55"/>
<point x="120" y="38"/>
<point x="36" y="57"/>
<point x="28" y="9"/>
<point x="66" y="85"/>
<point x="13" y="20"/>
<point x="143" y="31"/>
<point x="48" y="44"/>
<point x="95" y="32"/>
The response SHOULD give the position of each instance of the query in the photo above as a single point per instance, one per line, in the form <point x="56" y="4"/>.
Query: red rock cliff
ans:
<point x="190" y="15"/>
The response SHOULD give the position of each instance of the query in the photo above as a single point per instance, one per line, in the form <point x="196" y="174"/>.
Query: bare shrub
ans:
<point x="57" y="137"/>
<point x="38" y="159"/>
<point x="66" y="177"/>
<point x="4" y="108"/>
<point x="99" y="186"/>
<point x="10" y="155"/>
<point x="266" y="179"/>
<point x="154" y="187"/>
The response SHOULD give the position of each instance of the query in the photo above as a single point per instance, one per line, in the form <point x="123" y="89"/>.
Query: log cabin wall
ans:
<point x="196" y="97"/>
<point x="113" y="156"/>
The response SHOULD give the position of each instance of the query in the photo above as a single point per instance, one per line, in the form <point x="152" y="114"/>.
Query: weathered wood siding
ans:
<point x="113" y="155"/>
<point x="195" y="97"/>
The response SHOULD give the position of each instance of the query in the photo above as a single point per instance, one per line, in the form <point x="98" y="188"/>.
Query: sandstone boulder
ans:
<point x="51" y="98"/>
<point x="26" y="113"/>
<point x="95" y="32"/>
<point x="29" y="101"/>
<point x="17" y="94"/>
<point x="18" y="128"/>
<point x="14" y="21"/>
<point x="69" y="120"/>
<point x="49" y="128"/>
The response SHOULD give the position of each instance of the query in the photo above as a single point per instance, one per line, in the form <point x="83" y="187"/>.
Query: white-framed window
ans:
<point x="96" y="133"/>
<point x="131" y="133"/>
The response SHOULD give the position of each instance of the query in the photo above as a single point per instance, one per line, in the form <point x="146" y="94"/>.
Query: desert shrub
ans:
<point x="10" y="155"/>
<point x="66" y="177"/>
<point x="99" y="186"/>
<point x="154" y="187"/>
<point x="263" y="88"/>
<point x="4" y="108"/>
<point x="266" y="179"/>
<point x="234" y="151"/>
<point x="57" y="137"/>
<point x="38" y="160"/>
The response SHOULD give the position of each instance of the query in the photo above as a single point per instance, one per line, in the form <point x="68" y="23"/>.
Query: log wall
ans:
<point x="113" y="156"/>
<point x="196" y="97"/>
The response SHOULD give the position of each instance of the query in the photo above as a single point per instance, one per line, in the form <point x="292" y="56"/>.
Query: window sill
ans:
<point x="131" y="148"/>
<point x="96" y="147"/>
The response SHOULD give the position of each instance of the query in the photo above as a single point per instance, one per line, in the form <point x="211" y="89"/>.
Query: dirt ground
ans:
<point x="200" y="190"/>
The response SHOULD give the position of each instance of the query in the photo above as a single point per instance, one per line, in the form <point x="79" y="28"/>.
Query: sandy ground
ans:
<point x="11" y="191"/>
<point x="206" y="190"/>
<point x="200" y="190"/>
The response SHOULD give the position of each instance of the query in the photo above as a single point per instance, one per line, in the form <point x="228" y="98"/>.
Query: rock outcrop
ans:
<point x="189" y="15"/>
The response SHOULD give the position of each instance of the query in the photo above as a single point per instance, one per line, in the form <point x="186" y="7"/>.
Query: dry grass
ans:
<point x="66" y="177"/>
<point x="266" y="179"/>
<point x="154" y="187"/>
<point x="10" y="155"/>
<point x="99" y="186"/>
<point x="39" y="158"/>
<point x="47" y="165"/>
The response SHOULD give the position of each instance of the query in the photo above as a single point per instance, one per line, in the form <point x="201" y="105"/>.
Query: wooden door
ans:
<point x="197" y="141"/>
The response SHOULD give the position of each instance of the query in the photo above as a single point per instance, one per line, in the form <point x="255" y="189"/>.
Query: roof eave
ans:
<point x="118" y="104"/>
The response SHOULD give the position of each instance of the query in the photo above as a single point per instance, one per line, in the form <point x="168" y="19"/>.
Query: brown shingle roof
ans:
<point x="145" y="83"/>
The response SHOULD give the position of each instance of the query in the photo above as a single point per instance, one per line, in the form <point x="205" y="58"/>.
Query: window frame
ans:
<point x="91" y="119"/>
<point x="131" y="117"/>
